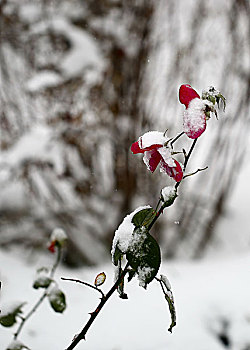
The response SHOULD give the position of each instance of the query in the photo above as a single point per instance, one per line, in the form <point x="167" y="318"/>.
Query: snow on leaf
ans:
<point x="123" y="234"/>
<point x="16" y="345"/>
<point x="144" y="256"/>
<point x="9" y="313"/>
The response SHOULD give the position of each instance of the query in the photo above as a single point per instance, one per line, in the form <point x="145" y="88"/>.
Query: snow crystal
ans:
<point x="136" y="241"/>
<point x="167" y="156"/>
<point x="58" y="234"/>
<point x="194" y="117"/>
<point x="123" y="234"/>
<point x="168" y="192"/>
<point x="152" y="138"/>
<point x="143" y="274"/>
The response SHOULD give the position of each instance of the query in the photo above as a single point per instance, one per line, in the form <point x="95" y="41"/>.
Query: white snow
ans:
<point x="194" y="117"/>
<point x="37" y="143"/>
<point x="10" y="307"/>
<point x="16" y="345"/>
<point x="165" y="280"/>
<point x="84" y="52"/>
<point x="167" y="156"/>
<point x="205" y="292"/>
<point x="168" y="192"/>
<point x="152" y="138"/>
<point x="123" y="234"/>
<point x="59" y="235"/>
<point x="43" y="80"/>
<point x="143" y="274"/>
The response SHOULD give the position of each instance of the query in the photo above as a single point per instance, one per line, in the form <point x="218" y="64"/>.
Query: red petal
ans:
<point x="175" y="172"/>
<point x="195" y="134"/>
<point x="154" y="160"/>
<point x="187" y="94"/>
<point x="51" y="247"/>
<point x="135" y="148"/>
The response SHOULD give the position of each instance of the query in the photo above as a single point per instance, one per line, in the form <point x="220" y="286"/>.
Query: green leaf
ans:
<point x="166" y="287"/>
<point x="172" y="312"/>
<point x="143" y="217"/>
<point x="42" y="282"/>
<point x="131" y="274"/>
<point x="8" y="318"/>
<point x="144" y="256"/>
<point x="117" y="256"/>
<point x="57" y="300"/>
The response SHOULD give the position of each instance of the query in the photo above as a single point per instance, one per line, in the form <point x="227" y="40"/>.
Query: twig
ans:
<point x="93" y="315"/>
<point x="176" y="138"/>
<point x="195" y="172"/>
<point x="43" y="296"/>
<point x="85" y="283"/>
<point x="189" y="154"/>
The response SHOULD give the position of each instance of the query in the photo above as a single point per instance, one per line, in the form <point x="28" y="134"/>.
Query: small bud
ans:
<point x="100" y="279"/>
<point x="168" y="195"/>
<point x="57" y="238"/>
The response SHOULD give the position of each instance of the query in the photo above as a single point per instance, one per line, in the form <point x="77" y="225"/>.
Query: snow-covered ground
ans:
<point x="211" y="296"/>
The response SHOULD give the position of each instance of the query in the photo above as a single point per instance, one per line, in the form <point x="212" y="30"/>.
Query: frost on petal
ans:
<point x="123" y="234"/>
<point x="167" y="156"/>
<point x="152" y="159"/>
<point x="152" y="138"/>
<point x="194" y="119"/>
<point x="175" y="172"/>
<point x="187" y="94"/>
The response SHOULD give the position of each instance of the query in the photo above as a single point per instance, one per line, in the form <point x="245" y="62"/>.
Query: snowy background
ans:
<point x="79" y="82"/>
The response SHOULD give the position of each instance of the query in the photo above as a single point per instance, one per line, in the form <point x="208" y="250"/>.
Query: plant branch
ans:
<point x="195" y="172"/>
<point x="93" y="315"/>
<point x="189" y="154"/>
<point x="187" y="157"/>
<point x="43" y="296"/>
<point x="85" y="283"/>
<point x="176" y="138"/>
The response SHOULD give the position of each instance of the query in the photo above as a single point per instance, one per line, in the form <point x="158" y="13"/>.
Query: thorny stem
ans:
<point x="104" y="299"/>
<point x="93" y="315"/>
<point x="85" y="283"/>
<point x="43" y="296"/>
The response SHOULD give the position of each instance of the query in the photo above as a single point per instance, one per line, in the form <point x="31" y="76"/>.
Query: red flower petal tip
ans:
<point x="51" y="247"/>
<point x="187" y="94"/>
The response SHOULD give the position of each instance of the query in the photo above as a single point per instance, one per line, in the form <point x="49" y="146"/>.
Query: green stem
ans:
<point x="43" y="296"/>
